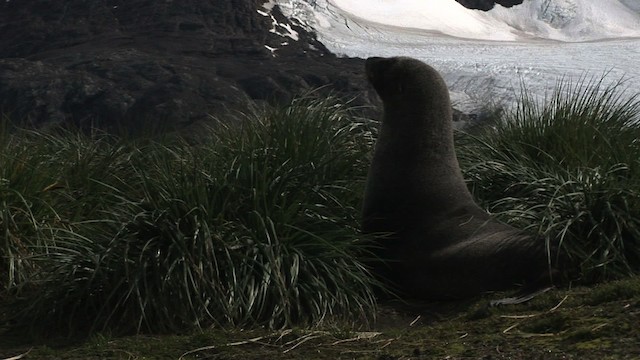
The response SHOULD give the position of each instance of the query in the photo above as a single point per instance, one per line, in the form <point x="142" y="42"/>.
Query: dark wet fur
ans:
<point x="438" y="243"/>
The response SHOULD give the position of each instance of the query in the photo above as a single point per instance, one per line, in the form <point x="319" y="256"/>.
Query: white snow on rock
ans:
<point x="288" y="30"/>
<point x="272" y="49"/>
<point x="284" y="30"/>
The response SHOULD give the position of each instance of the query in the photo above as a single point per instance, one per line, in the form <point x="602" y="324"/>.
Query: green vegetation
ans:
<point x="568" y="170"/>
<point x="254" y="224"/>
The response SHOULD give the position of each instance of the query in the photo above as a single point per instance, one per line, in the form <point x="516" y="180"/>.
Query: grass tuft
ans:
<point x="255" y="224"/>
<point x="567" y="169"/>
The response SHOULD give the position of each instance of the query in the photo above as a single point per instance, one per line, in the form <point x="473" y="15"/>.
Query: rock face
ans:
<point x="488" y="4"/>
<point x="105" y="62"/>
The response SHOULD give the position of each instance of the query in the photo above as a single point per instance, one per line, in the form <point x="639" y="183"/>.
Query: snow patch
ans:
<point x="289" y="32"/>
<point x="284" y="30"/>
<point x="307" y="13"/>
<point x="269" y="4"/>
<point x="272" y="49"/>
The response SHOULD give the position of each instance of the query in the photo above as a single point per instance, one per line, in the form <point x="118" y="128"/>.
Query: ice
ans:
<point x="570" y="39"/>
<point x="632" y="4"/>
<point x="565" y="20"/>
<point x="571" y="20"/>
<point x="269" y="4"/>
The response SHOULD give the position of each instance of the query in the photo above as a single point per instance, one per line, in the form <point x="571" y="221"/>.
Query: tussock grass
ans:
<point x="254" y="224"/>
<point x="567" y="169"/>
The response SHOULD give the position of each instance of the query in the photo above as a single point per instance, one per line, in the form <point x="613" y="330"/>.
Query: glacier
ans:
<point x="487" y="57"/>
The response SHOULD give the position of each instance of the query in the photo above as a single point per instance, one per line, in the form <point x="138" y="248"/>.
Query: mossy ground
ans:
<point x="599" y="322"/>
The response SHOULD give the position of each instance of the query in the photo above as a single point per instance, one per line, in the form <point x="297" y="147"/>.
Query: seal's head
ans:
<point x="408" y="86"/>
<point x="406" y="80"/>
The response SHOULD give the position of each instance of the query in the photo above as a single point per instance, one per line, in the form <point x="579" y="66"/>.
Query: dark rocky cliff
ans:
<point x="105" y="61"/>
<point x="488" y="4"/>
<point x="123" y="63"/>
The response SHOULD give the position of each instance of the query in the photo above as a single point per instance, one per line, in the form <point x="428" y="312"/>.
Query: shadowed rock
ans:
<point x="488" y="4"/>
<point x="122" y="63"/>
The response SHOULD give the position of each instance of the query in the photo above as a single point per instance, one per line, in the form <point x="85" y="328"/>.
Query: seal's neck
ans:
<point x="432" y="137"/>
<point x="415" y="165"/>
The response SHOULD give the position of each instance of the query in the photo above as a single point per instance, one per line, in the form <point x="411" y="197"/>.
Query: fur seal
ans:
<point x="440" y="244"/>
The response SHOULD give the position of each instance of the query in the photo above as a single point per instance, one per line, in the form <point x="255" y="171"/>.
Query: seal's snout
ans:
<point x="374" y="60"/>
<point x="376" y="65"/>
